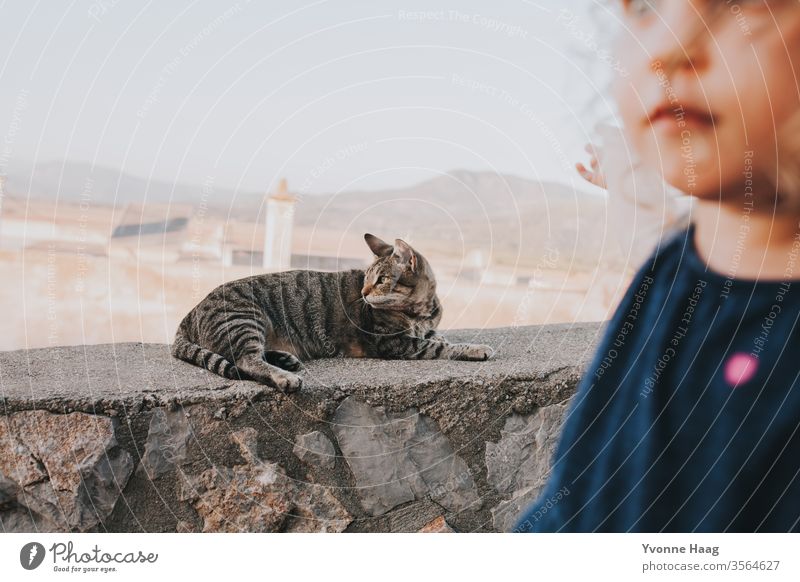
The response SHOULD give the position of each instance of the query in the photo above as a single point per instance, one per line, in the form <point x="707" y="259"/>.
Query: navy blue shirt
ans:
<point x="688" y="417"/>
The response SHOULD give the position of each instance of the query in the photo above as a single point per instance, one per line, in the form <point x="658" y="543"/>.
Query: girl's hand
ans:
<point x="595" y="175"/>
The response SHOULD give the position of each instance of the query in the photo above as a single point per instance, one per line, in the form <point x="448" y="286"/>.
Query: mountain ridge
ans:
<point x="511" y="215"/>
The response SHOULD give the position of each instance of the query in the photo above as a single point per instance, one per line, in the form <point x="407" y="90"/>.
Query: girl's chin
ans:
<point x="703" y="186"/>
<point x="673" y="153"/>
<point x="688" y="174"/>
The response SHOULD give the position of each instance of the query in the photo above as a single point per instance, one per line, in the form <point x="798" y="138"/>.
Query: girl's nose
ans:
<point x="681" y="35"/>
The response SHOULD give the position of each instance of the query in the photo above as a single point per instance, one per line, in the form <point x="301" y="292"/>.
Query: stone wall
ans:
<point x="123" y="438"/>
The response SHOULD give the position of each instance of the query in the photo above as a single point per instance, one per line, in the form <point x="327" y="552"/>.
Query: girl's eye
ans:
<point x="639" y="7"/>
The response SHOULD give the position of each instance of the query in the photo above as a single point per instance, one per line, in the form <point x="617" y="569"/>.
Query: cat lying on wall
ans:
<point x="261" y="328"/>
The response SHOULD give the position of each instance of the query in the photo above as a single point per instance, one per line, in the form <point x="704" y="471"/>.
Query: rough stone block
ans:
<point x="315" y="448"/>
<point x="259" y="497"/>
<point x="438" y="525"/>
<point x="166" y="442"/>
<point x="400" y="457"/>
<point x="519" y="463"/>
<point x="66" y="469"/>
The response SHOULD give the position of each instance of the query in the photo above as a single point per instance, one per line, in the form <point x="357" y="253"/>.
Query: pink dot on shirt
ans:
<point x="740" y="368"/>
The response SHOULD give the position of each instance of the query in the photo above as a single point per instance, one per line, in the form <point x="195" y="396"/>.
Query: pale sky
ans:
<point x="333" y="95"/>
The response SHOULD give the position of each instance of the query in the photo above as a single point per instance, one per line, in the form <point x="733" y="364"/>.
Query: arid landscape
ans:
<point x="95" y="256"/>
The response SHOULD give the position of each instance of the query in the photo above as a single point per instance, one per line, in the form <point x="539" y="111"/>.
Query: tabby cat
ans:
<point x="261" y="327"/>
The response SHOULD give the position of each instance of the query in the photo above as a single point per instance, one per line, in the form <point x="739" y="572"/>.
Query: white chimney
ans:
<point x="278" y="235"/>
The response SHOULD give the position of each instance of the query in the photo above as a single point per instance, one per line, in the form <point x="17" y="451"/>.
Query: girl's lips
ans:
<point x="680" y="117"/>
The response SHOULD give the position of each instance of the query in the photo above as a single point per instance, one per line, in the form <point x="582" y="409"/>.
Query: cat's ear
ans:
<point x="378" y="247"/>
<point x="405" y="253"/>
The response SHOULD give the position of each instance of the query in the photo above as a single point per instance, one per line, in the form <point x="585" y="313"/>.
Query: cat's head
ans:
<point x="399" y="278"/>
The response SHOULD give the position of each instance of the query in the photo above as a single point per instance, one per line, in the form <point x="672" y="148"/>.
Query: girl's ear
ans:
<point x="378" y="247"/>
<point x="405" y="254"/>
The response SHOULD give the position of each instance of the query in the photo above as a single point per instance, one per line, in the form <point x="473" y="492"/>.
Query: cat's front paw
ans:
<point x="283" y="360"/>
<point x="287" y="382"/>
<point x="477" y="352"/>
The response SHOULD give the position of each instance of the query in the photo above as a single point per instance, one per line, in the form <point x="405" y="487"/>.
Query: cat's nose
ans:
<point x="366" y="289"/>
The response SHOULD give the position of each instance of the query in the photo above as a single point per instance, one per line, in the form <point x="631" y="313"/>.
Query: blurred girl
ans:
<point x="688" y="417"/>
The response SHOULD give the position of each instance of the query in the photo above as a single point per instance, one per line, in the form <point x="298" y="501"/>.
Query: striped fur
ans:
<point x="261" y="328"/>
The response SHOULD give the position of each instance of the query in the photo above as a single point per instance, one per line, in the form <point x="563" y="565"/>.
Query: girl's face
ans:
<point x="710" y="84"/>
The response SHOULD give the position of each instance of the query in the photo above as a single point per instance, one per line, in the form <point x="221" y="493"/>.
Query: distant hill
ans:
<point x="534" y="224"/>
<point x="109" y="186"/>
<point x="516" y="217"/>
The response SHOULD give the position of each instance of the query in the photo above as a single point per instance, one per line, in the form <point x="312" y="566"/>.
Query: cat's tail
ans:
<point x="188" y="351"/>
